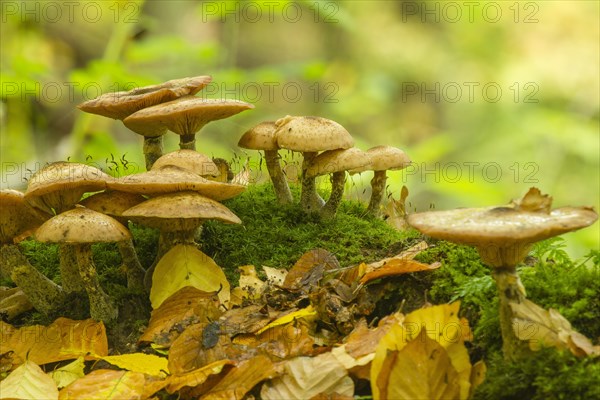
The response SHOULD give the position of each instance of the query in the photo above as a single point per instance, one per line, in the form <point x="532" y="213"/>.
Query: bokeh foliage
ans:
<point x="422" y="76"/>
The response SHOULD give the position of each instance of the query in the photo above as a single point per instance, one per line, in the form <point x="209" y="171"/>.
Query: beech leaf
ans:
<point x="28" y="381"/>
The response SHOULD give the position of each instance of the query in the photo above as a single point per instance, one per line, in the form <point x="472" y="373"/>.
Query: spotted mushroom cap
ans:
<point x="492" y="229"/>
<point x="311" y="134"/>
<point x="261" y="137"/>
<point x="185" y="115"/>
<point x="112" y="203"/>
<point x="331" y="161"/>
<point x="170" y="178"/>
<point x="61" y="184"/>
<point x="384" y="158"/>
<point x="190" y="160"/>
<point x="180" y="211"/>
<point x="119" y="105"/>
<point x="82" y="225"/>
<point x="16" y="216"/>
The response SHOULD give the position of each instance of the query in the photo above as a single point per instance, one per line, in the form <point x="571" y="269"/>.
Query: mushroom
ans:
<point x="177" y="216"/>
<point x="310" y="135"/>
<point x="79" y="228"/>
<point x="119" y="105"/>
<point x="17" y="219"/>
<point x="113" y="203"/>
<point x="336" y="163"/>
<point x="503" y="236"/>
<point x="185" y="116"/>
<point x="383" y="158"/>
<point x="56" y="188"/>
<point x="190" y="160"/>
<point x="262" y="137"/>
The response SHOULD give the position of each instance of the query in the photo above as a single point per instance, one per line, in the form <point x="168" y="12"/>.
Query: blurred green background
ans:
<point x="487" y="98"/>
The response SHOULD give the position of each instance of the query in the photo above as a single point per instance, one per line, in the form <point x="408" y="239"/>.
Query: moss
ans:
<point x="547" y="374"/>
<point x="277" y="235"/>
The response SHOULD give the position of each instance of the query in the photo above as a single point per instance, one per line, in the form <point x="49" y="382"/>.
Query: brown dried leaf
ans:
<point x="64" y="339"/>
<point x="309" y="269"/>
<point x="396" y="267"/>
<point x="106" y="384"/>
<point x="186" y="306"/>
<point x="195" y="377"/>
<point x="248" y="319"/>
<point x="242" y="378"/>
<point x="199" y="345"/>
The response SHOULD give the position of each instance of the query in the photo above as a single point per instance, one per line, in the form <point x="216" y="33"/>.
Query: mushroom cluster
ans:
<point x="327" y="149"/>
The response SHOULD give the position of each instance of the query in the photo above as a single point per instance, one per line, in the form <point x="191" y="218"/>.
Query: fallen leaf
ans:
<point x="148" y="364"/>
<point x="106" y="384"/>
<point x="64" y="339"/>
<point x="186" y="306"/>
<point x="249" y="319"/>
<point x="275" y="276"/>
<point x="28" y="381"/>
<point x="420" y="370"/>
<point x="396" y="267"/>
<point x="309" y="269"/>
<point x="64" y="376"/>
<point x="242" y="378"/>
<point x="307" y="313"/>
<point x="252" y="287"/>
<point x="185" y="265"/>
<point x="195" y="377"/>
<point x="307" y="377"/>
<point x="478" y="372"/>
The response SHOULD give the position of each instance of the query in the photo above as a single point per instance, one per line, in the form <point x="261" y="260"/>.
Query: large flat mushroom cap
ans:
<point x="119" y="105"/>
<point x="332" y="161"/>
<point x="171" y="179"/>
<point x="16" y="216"/>
<point x="64" y="176"/>
<point x="500" y="226"/>
<point x="385" y="158"/>
<point x="185" y="115"/>
<point x="261" y="137"/>
<point x="311" y="134"/>
<point x="177" y="211"/>
<point x="190" y="160"/>
<point x="112" y="202"/>
<point x="82" y="225"/>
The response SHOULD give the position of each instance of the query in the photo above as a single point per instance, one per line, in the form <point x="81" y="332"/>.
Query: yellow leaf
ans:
<point x="104" y="384"/>
<point x="195" y="377"/>
<point x="307" y="313"/>
<point x="252" y="287"/>
<point x="242" y="378"/>
<point x="275" y="276"/>
<point x="185" y="265"/>
<point x="145" y="363"/>
<point x="28" y="382"/>
<point x="421" y="370"/>
<point x="64" y="376"/>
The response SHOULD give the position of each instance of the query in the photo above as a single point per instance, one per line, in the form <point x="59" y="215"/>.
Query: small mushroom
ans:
<point x="177" y="216"/>
<point x="384" y="158"/>
<point x="185" y="116"/>
<point x="262" y="137"/>
<point x="119" y="105"/>
<point x="80" y="228"/>
<point x="17" y="219"/>
<point x="336" y="163"/>
<point x="503" y="236"/>
<point x="190" y="160"/>
<point x="310" y="135"/>
<point x="113" y="203"/>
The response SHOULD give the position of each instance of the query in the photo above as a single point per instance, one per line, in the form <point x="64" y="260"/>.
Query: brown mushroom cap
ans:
<point x="261" y="137"/>
<point x="311" y="134"/>
<point x="112" y="202"/>
<point x="119" y="105"/>
<point x="190" y="160"/>
<point x="16" y="216"/>
<point x="82" y="225"/>
<point x="61" y="184"/>
<point x="169" y="179"/>
<point x="385" y="158"/>
<point x="179" y="211"/>
<point x="332" y="161"/>
<point x="185" y="115"/>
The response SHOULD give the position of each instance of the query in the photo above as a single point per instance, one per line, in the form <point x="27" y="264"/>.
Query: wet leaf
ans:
<point x="306" y="377"/>
<point x="64" y="339"/>
<point x="64" y="376"/>
<point x="28" y="381"/>
<point x="106" y="384"/>
<point x="185" y="265"/>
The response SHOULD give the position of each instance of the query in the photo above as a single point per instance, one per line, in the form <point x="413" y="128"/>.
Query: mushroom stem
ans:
<point x="338" y="179"/>
<point x="101" y="306"/>
<point x="153" y="150"/>
<point x="133" y="268"/>
<point x="510" y="290"/>
<point x="282" y="190"/>
<point x="187" y="142"/>
<point x="69" y="272"/>
<point x="377" y="192"/>
<point x="166" y="241"/>
<point x="43" y="294"/>
<point x="309" y="199"/>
